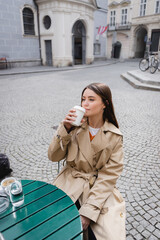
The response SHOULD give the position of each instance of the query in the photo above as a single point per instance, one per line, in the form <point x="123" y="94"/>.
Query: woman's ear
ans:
<point x="104" y="106"/>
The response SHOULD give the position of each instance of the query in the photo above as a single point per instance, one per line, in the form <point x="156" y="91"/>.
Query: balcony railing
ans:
<point x="112" y="27"/>
<point x="120" y="26"/>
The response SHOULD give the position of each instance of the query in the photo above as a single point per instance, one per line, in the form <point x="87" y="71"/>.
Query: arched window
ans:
<point x="28" y="21"/>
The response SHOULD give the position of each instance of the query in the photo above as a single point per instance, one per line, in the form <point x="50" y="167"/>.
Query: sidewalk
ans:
<point x="137" y="78"/>
<point x="39" y="69"/>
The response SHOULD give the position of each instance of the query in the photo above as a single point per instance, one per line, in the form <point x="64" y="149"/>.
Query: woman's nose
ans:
<point x="85" y="103"/>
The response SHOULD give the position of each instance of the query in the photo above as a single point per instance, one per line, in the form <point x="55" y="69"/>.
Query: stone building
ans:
<point x="66" y="31"/>
<point x="118" y="35"/>
<point x="100" y="22"/>
<point x="50" y="32"/>
<point x="19" y="38"/>
<point x="134" y="26"/>
<point x="145" y="31"/>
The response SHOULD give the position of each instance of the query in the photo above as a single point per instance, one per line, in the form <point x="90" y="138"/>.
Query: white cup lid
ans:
<point x="80" y="108"/>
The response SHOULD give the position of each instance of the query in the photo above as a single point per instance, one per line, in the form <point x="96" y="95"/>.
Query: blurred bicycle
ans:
<point x="157" y="56"/>
<point x="149" y="62"/>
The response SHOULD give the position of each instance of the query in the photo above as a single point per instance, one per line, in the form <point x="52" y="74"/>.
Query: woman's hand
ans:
<point x="70" y="117"/>
<point x="85" y="222"/>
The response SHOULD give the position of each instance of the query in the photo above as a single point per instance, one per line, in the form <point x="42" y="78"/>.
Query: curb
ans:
<point x="139" y="83"/>
<point x="142" y="80"/>
<point x="58" y="69"/>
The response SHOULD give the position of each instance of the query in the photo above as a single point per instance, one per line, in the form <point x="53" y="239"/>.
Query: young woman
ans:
<point x="94" y="161"/>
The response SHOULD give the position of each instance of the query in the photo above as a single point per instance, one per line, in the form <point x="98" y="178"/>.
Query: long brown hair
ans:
<point x="105" y="93"/>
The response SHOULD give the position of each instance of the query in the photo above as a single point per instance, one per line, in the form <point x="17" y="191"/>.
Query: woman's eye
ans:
<point x="83" y="99"/>
<point x="91" y="99"/>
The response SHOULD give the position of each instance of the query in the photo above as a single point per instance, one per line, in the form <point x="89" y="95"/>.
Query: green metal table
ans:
<point x="47" y="213"/>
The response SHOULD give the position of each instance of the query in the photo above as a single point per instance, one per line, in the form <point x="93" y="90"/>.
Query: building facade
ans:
<point x="118" y="34"/>
<point x="19" y="41"/>
<point x="100" y="31"/>
<point x="66" y="31"/>
<point x="134" y="26"/>
<point x="49" y="32"/>
<point x="145" y="31"/>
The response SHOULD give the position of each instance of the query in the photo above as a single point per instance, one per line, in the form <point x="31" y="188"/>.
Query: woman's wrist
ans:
<point x="68" y="129"/>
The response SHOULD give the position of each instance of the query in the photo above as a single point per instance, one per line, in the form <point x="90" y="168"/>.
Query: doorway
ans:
<point x="140" y="40"/>
<point x="155" y="40"/>
<point x="79" y="43"/>
<point x="48" y="48"/>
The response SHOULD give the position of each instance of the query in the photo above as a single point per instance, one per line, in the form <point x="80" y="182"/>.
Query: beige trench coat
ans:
<point x="90" y="174"/>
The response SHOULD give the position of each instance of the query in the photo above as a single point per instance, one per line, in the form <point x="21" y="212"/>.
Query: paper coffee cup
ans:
<point x="80" y="113"/>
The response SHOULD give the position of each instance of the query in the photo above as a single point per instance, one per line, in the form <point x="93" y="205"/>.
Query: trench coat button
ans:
<point x="58" y="136"/>
<point x="72" y="165"/>
<point x="121" y="215"/>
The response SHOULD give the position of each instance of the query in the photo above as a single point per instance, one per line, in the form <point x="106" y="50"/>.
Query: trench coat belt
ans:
<point x="89" y="178"/>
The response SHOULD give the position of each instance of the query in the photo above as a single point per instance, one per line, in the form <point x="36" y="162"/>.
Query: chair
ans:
<point x="3" y="63"/>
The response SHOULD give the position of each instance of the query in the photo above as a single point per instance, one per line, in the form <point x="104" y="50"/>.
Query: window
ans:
<point x="97" y="48"/>
<point x="157" y="10"/>
<point x="143" y="7"/>
<point x="124" y="17"/>
<point x="28" y="21"/>
<point x="113" y="18"/>
<point x="47" y="22"/>
<point x="155" y="40"/>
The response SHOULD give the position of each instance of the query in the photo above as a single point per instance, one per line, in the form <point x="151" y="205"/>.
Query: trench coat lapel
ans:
<point x="84" y="143"/>
<point x="100" y="141"/>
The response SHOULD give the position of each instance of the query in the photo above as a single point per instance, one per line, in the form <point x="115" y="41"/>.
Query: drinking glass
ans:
<point x="16" y="194"/>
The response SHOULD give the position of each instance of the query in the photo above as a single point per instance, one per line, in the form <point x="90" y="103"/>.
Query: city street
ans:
<point x="32" y="105"/>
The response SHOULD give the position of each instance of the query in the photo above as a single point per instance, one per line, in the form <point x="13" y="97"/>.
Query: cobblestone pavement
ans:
<point x="31" y="107"/>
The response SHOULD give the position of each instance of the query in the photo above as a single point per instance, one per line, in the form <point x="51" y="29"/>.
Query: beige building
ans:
<point x="119" y="20"/>
<point x="145" y="27"/>
<point x="66" y="31"/>
<point x="133" y="26"/>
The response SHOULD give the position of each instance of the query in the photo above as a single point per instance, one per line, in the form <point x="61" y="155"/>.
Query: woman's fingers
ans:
<point x="70" y="117"/>
<point x="85" y="222"/>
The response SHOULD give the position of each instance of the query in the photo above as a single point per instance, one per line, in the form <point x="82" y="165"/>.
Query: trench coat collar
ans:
<point x="107" y="127"/>
<point x="88" y="148"/>
<point x="111" y="128"/>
